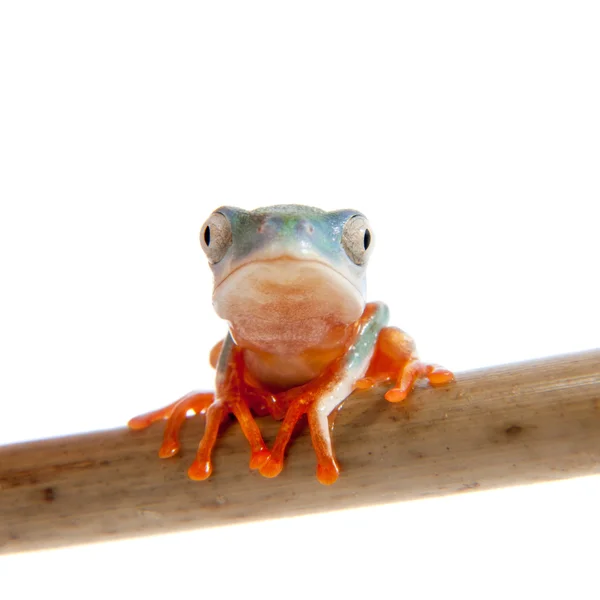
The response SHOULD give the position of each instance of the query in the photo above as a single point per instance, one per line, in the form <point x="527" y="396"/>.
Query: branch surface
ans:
<point x="500" y="426"/>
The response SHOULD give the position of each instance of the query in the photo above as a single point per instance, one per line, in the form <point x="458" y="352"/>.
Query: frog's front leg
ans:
<point x="395" y="359"/>
<point x="317" y="401"/>
<point x="227" y="399"/>
<point x="227" y="359"/>
<point x="201" y="468"/>
<point x="175" y="414"/>
<point x="319" y="398"/>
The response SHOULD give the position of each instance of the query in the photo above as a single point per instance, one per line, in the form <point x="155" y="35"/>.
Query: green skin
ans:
<point x="299" y="234"/>
<point x="285" y="231"/>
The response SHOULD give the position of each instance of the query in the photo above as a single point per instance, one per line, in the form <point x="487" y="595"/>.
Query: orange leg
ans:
<point x="273" y="466"/>
<point x="322" y="396"/>
<point x="230" y="377"/>
<point x="318" y="423"/>
<point x="327" y="467"/>
<point x="412" y="372"/>
<point x="198" y="403"/>
<point x="175" y="414"/>
<point x="395" y="359"/>
<point x="201" y="468"/>
<point x="145" y="420"/>
<point x="260" y="452"/>
<point x="306" y="399"/>
<point x="215" y="353"/>
<point x="366" y="383"/>
<point x="216" y="406"/>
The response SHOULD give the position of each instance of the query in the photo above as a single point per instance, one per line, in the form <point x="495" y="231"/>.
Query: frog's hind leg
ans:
<point x="411" y="373"/>
<point x="175" y="413"/>
<point x="395" y="359"/>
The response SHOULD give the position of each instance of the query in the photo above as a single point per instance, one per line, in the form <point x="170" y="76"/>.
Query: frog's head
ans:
<point x="287" y="277"/>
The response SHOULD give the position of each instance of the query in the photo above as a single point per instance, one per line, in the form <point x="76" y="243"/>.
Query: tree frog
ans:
<point x="290" y="282"/>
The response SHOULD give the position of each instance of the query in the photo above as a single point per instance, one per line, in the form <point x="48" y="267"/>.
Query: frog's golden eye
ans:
<point x="357" y="239"/>
<point x="215" y="237"/>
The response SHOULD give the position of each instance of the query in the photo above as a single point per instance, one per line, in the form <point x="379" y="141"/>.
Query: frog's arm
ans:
<point x="195" y="402"/>
<point x="228" y="399"/>
<point x="226" y="358"/>
<point x="378" y="354"/>
<point x="320" y="397"/>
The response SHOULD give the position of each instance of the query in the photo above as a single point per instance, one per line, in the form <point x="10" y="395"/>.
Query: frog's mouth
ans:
<point x="286" y="306"/>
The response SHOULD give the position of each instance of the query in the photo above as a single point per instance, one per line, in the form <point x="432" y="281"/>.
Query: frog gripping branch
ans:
<point x="290" y="282"/>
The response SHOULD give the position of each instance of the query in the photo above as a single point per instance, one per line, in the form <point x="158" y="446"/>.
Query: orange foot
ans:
<point x="412" y="372"/>
<point x="215" y="411"/>
<point x="395" y="359"/>
<point x="228" y="399"/>
<point x="175" y="414"/>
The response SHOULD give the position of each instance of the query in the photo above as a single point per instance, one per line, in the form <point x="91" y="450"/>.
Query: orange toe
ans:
<point x="365" y="383"/>
<point x="327" y="474"/>
<point x="169" y="448"/>
<point x="440" y="377"/>
<point x="395" y="395"/>
<point x="271" y="468"/>
<point x="259" y="458"/>
<point x="138" y="423"/>
<point x="199" y="471"/>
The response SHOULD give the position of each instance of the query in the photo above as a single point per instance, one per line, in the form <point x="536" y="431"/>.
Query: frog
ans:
<point x="290" y="282"/>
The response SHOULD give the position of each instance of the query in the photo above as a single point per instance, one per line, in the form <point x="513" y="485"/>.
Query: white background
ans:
<point x="468" y="132"/>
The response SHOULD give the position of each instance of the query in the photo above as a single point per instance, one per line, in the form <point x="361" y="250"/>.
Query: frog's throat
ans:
<point x="286" y="306"/>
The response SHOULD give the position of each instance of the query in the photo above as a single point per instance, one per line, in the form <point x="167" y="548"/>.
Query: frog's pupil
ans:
<point x="367" y="239"/>
<point x="207" y="235"/>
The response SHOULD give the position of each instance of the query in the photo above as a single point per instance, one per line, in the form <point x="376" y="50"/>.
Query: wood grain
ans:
<point x="507" y="425"/>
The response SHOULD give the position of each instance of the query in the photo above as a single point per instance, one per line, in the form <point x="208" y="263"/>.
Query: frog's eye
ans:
<point x="357" y="239"/>
<point x="215" y="237"/>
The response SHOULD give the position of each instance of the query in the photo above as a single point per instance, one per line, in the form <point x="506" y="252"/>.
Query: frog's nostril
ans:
<point x="266" y="226"/>
<point x="305" y="227"/>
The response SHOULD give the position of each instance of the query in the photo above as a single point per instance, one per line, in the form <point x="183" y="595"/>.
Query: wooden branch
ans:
<point x="508" y="425"/>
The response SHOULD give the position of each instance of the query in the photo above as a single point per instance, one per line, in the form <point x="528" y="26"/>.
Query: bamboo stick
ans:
<point x="506" y="425"/>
